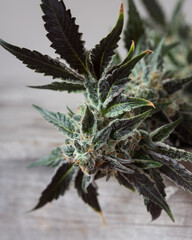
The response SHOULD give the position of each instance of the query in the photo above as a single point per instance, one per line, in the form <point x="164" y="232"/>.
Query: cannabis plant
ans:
<point x="107" y="136"/>
<point x="165" y="77"/>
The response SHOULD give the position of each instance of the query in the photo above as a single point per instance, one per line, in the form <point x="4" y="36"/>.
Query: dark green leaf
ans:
<point x="58" y="185"/>
<point x="154" y="209"/>
<point x="43" y="63"/>
<point x="101" y="137"/>
<point x="173" y="85"/>
<point x="89" y="197"/>
<point x="172" y="169"/>
<point x="70" y="112"/>
<point x="119" y="73"/>
<point x="126" y="127"/>
<point x="116" y="165"/>
<point x="146" y="187"/>
<point x="92" y="91"/>
<point x="169" y="152"/>
<point x="161" y="106"/>
<point x="134" y="28"/>
<point x="122" y="103"/>
<point x="146" y="163"/>
<point x="128" y="58"/>
<point x="59" y="120"/>
<point x="61" y="86"/>
<point x="155" y="11"/>
<point x="88" y="122"/>
<point x="121" y="178"/>
<point x="52" y="160"/>
<point x="63" y="33"/>
<point x="102" y="53"/>
<point x="161" y="133"/>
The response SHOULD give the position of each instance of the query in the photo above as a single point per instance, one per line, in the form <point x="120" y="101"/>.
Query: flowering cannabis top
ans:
<point x="108" y="135"/>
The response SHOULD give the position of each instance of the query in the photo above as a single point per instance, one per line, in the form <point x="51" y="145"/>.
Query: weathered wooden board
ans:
<point x="25" y="137"/>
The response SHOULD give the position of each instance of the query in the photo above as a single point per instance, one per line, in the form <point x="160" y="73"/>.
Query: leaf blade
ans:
<point x="148" y="189"/>
<point x="88" y="122"/>
<point x="63" y="33"/>
<point x="119" y="73"/>
<point x="122" y="103"/>
<point x="58" y="185"/>
<point x="102" y="53"/>
<point x="59" y="120"/>
<point x="125" y="127"/>
<point x="163" y="132"/>
<point x="89" y="197"/>
<point x="52" y="160"/>
<point x="174" y="85"/>
<point x="42" y="63"/>
<point x="61" y="86"/>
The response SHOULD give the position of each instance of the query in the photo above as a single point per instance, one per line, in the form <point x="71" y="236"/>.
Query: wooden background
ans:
<point x="25" y="137"/>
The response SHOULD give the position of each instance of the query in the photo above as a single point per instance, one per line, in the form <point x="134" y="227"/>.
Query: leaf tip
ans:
<point x="132" y="44"/>
<point x="151" y="104"/>
<point x="102" y="218"/>
<point x="121" y="11"/>
<point x="148" y="51"/>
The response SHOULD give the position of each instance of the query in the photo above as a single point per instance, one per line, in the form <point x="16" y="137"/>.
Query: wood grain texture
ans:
<point x="24" y="138"/>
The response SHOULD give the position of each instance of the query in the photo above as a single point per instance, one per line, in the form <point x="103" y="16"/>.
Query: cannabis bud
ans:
<point x="108" y="135"/>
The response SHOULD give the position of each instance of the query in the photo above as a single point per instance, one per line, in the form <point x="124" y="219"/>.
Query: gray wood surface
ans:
<point x="25" y="137"/>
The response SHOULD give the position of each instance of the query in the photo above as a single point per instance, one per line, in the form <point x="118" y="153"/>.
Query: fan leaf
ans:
<point x="154" y="209"/>
<point x="58" y="185"/>
<point x="134" y="28"/>
<point x="102" y="53"/>
<point x="121" y="178"/>
<point x="61" y="86"/>
<point x="64" y="35"/>
<point x="59" y="120"/>
<point x="89" y="197"/>
<point x="172" y="169"/>
<point x="146" y="187"/>
<point x="172" y="152"/>
<point x="43" y="63"/>
<point x="52" y="160"/>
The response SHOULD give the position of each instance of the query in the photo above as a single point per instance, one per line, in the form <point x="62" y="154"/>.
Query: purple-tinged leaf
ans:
<point x="89" y="197"/>
<point x="64" y="35"/>
<point x="148" y="189"/>
<point x="58" y="185"/>
<point x="43" y="63"/>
